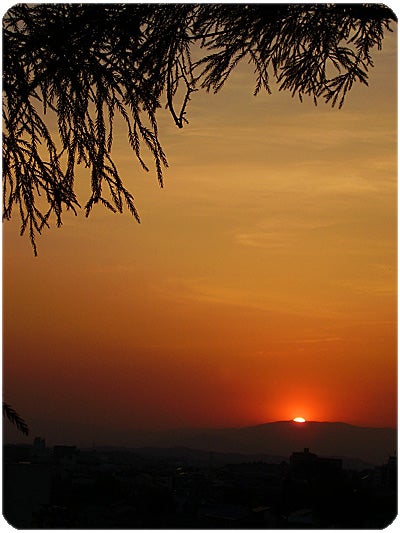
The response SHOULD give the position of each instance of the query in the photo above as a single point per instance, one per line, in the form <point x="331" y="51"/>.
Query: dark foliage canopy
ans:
<point x="83" y="64"/>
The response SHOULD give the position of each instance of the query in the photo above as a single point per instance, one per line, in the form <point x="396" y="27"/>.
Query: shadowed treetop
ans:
<point x="85" y="63"/>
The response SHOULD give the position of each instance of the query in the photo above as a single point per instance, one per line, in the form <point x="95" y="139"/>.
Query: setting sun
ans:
<point x="299" y="419"/>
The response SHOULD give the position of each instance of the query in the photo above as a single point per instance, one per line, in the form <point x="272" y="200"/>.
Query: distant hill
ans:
<point x="334" y="439"/>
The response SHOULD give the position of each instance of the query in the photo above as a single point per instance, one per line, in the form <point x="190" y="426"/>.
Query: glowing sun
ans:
<point x="299" y="419"/>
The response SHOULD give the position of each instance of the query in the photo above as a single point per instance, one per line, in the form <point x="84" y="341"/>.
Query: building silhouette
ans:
<point x="307" y="465"/>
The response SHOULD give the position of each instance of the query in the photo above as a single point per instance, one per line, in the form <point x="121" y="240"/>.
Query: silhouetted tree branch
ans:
<point x="80" y="65"/>
<point x="15" y="418"/>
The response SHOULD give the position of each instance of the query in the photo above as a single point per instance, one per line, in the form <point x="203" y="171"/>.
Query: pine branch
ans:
<point x="87" y="64"/>
<point x="15" y="418"/>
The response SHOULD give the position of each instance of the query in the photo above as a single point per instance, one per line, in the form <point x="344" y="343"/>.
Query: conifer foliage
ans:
<point x="15" y="418"/>
<point x="70" y="69"/>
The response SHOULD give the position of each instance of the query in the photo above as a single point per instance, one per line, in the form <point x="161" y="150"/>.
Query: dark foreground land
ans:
<point x="64" y="487"/>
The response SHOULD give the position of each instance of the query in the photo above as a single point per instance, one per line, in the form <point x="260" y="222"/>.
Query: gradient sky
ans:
<point x="260" y="285"/>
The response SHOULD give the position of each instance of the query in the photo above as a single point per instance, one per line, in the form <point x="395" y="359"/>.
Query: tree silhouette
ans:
<point x="15" y="418"/>
<point x="80" y="65"/>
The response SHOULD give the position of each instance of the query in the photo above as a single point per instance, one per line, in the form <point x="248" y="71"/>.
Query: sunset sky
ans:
<point x="259" y="286"/>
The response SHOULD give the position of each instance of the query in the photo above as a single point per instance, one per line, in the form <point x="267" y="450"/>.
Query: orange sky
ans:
<point x="260" y="285"/>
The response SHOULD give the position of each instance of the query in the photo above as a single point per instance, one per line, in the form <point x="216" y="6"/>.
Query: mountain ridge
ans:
<point x="334" y="422"/>
<point x="373" y="445"/>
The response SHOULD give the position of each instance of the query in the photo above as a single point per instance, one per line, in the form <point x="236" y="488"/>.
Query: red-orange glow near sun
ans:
<point x="299" y="419"/>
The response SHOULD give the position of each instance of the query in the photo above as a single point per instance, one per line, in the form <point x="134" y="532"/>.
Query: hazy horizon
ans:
<point x="130" y="438"/>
